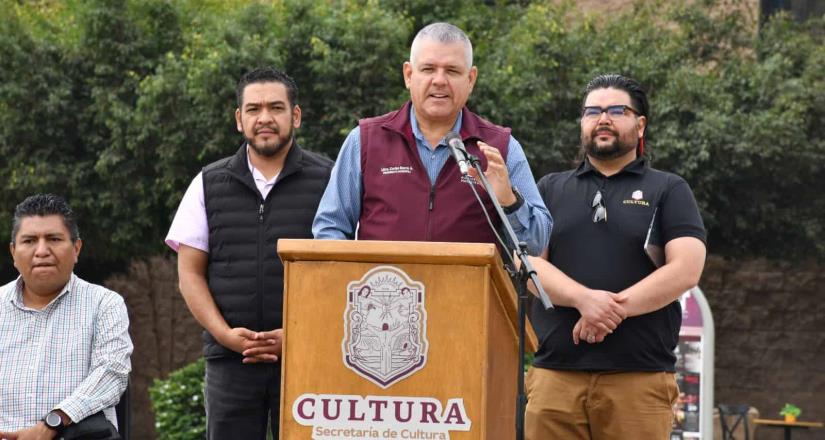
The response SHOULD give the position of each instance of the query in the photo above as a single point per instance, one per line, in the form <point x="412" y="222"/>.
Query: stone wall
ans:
<point x="165" y="335"/>
<point x="770" y="338"/>
<point x="770" y="335"/>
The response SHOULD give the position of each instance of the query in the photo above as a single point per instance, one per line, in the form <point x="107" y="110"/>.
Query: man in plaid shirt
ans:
<point x="64" y="343"/>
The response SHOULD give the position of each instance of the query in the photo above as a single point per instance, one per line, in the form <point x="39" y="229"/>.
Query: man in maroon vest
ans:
<point x="395" y="180"/>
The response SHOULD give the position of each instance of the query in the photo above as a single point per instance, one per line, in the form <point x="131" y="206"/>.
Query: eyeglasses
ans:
<point x="613" y="111"/>
<point x="600" y="213"/>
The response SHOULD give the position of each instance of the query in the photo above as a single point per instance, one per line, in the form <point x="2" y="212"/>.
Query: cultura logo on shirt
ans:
<point x="637" y="198"/>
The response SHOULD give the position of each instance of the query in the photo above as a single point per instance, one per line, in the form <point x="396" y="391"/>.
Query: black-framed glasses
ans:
<point x="600" y="212"/>
<point x="614" y="111"/>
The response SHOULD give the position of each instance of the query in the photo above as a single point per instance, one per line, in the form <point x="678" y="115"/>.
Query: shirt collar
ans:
<point x="420" y="136"/>
<point x="638" y="166"/>
<point x="257" y="175"/>
<point x="17" y="292"/>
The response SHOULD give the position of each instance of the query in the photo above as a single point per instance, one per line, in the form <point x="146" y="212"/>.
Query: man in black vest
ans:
<point x="605" y="367"/>
<point x="226" y="232"/>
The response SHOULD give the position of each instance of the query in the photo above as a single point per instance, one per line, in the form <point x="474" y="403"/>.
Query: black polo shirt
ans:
<point x="609" y="255"/>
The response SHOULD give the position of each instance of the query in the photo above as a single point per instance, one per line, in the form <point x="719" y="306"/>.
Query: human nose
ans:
<point x="265" y="116"/>
<point x="440" y="76"/>
<point x="42" y="248"/>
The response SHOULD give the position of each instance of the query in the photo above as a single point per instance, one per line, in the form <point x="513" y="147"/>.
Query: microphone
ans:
<point x="459" y="152"/>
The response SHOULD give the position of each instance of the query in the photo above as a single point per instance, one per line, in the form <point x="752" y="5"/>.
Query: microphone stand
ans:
<point x="520" y="277"/>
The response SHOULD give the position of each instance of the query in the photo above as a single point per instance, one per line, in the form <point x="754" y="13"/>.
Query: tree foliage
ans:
<point x="118" y="103"/>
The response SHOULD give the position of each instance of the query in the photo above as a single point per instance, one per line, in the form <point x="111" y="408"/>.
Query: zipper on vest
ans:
<point x="429" y="213"/>
<point x="260" y="276"/>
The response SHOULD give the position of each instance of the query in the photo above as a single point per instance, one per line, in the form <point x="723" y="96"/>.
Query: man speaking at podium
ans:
<point x="394" y="179"/>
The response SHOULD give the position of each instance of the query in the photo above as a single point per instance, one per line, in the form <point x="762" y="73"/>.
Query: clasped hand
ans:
<point x="256" y="347"/>
<point x="601" y="313"/>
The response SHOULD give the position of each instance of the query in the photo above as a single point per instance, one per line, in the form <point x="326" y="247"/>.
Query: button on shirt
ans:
<point x="190" y="226"/>
<point x="73" y="354"/>
<point x="340" y="207"/>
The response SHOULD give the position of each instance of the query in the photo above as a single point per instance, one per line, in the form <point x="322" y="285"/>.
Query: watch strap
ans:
<point x="50" y="422"/>
<point x="515" y="206"/>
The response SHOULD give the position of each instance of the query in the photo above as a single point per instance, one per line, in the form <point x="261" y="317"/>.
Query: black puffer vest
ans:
<point x="245" y="275"/>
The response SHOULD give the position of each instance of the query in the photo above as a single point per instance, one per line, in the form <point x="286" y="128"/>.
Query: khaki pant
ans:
<point x="572" y="405"/>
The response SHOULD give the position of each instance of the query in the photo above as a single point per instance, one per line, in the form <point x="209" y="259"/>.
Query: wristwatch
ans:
<point x="515" y="206"/>
<point x="54" y="421"/>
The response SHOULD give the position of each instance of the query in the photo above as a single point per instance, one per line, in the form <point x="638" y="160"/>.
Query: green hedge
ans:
<point x="178" y="404"/>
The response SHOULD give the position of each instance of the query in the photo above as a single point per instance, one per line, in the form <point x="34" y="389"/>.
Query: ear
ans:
<point x="473" y="77"/>
<point x="407" y="71"/>
<point x="641" y="125"/>
<point x="296" y="116"/>
<point x="13" y="260"/>
<point x="238" y="120"/>
<point x="77" y="245"/>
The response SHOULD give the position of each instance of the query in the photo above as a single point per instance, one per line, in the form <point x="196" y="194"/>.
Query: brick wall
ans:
<point x="770" y="337"/>
<point x="165" y="335"/>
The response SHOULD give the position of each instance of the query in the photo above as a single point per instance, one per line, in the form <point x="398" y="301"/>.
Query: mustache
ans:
<point x="275" y="129"/>
<point x="607" y="129"/>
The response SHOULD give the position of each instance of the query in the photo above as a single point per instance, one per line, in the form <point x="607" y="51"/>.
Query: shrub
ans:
<point x="178" y="404"/>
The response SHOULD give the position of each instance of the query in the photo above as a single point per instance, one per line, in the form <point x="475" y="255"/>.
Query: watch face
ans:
<point x="53" y="420"/>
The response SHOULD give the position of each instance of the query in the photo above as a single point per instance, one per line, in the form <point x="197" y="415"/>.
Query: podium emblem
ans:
<point x="385" y="326"/>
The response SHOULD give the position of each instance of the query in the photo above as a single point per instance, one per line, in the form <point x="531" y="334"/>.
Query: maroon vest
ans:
<point x="398" y="202"/>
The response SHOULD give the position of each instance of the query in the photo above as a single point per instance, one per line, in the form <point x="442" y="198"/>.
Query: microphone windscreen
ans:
<point x="452" y="138"/>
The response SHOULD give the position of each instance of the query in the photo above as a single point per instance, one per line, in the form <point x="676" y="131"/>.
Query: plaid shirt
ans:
<point x="72" y="355"/>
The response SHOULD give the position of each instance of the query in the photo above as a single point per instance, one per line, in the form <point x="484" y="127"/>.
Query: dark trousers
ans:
<point x="241" y="399"/>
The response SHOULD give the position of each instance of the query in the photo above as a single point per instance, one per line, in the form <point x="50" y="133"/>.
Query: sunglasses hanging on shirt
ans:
<point x="600" y="212"/>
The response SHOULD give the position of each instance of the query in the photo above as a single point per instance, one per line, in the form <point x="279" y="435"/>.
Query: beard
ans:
<point x="618" y="147"/>
<point x="271" y="148"/>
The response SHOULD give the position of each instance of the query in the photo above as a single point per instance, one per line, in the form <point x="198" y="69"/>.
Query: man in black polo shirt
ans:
<point x="605" y="366"/>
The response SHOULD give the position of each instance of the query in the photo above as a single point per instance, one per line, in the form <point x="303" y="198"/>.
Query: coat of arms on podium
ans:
<point x="385" y="326"/>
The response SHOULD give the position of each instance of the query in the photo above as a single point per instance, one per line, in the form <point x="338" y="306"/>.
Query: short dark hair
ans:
<point x="638" y="95"/>
<point x="264" y="75"/>
<point x="43" y="205"/>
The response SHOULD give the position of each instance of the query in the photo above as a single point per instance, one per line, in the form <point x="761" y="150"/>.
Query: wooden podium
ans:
<point x="404" y="340"/>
